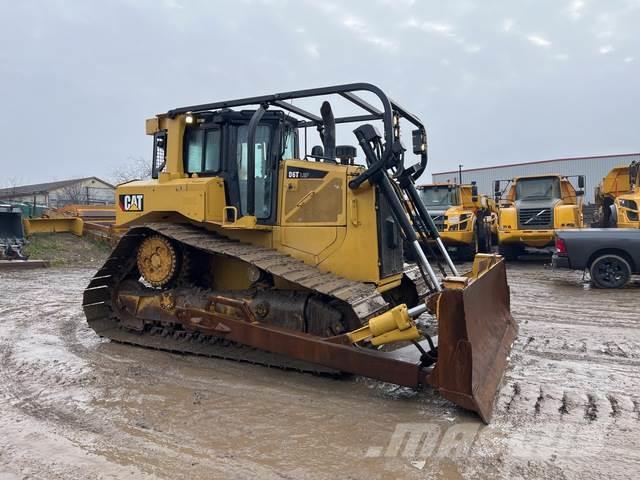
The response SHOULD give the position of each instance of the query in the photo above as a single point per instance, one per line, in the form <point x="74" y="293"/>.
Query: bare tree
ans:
<point x="135" y="169"/>
<point x="12" y="182"/>
<point x="73" y="193"/>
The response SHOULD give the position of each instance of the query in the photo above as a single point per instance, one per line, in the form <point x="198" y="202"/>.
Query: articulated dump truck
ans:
<point x="618" y="198"/>
<point x="466" y="220"/>
<point x="532" y="207"/>
<point x="241" y="247"/>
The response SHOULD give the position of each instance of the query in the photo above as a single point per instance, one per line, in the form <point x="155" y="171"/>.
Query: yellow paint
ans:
<point x="616" y="187"/>
<point x="73" y="225"/>
<point x="567" y="213"/>
<point x="461" y="232"/>
<point x="392" y="326"/>
<point x="320" y="221"/>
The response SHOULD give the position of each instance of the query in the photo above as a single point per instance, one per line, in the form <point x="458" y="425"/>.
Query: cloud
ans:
<point x="312" y="49"/>
<point x="503" y="60"/>
<point x="439" y="28"/>
<point x="576" y="9"/>
<point x="354" y="24"/>
<point x="381" y="42"/>
<point x="363" y="32"/>
<point x="538" y="41"/>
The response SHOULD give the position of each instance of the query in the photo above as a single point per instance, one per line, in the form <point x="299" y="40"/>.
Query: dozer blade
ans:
<point x="475" y="335"/>
<point x="54" y="225"/>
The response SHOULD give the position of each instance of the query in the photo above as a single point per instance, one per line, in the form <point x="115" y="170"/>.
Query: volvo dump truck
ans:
<point x="532" y="207"/>
<point x="618" y="198"/>
<point x="241" y="247"/>
<point x="467" y="221"/>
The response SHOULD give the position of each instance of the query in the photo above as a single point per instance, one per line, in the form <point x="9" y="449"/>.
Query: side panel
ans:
<point x="324" y="223"/>
<point x="567" y="216"/>
<point x="197" y="199"/>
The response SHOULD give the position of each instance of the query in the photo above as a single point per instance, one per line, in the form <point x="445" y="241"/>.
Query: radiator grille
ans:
<point x="531" y="218"/>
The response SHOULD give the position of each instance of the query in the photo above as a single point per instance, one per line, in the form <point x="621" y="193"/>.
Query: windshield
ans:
<point x="439" y="196"/>
<point x="537" y="188"/>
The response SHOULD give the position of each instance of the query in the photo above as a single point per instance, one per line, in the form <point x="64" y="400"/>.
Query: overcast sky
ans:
<point x="494" y="81"/>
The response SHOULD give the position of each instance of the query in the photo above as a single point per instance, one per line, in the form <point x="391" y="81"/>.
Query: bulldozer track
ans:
<point x="99" y="296"/>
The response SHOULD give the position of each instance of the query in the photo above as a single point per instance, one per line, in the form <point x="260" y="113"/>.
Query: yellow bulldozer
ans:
<point x="618" y="197"/>
<point x="467" y="221"/>
<point x="532" y="207"/>
<point x="241" y="247"/>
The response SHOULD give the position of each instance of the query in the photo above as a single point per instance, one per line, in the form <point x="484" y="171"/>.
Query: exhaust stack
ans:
<point x="328" y="133"/>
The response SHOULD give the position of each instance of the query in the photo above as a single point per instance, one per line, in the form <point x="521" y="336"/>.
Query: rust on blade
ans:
<point x="475" y="335"/>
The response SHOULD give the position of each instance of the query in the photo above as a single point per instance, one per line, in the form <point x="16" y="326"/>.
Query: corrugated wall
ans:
<point x="594" y="168"/>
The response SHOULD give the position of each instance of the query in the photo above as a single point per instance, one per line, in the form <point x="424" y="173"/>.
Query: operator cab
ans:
<point x="217" y="144"/>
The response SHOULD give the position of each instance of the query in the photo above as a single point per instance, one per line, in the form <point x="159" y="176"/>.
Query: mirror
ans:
<point x="496" y="186"/>
<point x="580" y="182"/>
<point x="474" y="192"/>
<point x="419" y="140"/>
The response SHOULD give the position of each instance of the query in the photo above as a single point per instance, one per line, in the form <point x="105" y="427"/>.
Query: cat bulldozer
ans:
<point x="240" y="247"/>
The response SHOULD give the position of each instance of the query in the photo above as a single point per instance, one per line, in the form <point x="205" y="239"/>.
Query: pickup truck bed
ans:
<point x="611" y="255"/>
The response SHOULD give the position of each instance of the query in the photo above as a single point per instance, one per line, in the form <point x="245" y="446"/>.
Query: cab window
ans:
<point x="537" y="188"/>
<point x="289" y="145"/>
<point x="263" y="174"/>
<point x="202" y="150"/>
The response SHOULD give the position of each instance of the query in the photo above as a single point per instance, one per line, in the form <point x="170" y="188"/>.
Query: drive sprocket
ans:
<point x="157" y="260"/>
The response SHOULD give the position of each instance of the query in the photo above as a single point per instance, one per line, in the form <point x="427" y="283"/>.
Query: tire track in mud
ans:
<point x="570" y="391"/>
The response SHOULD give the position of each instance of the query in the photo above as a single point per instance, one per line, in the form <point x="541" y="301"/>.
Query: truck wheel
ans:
<point x="610" y="271"/>
<point x="466" y="253"/>
<point x="612" y="221"/>
<point x="510" y="252"/>
<point x="483" y="238"/>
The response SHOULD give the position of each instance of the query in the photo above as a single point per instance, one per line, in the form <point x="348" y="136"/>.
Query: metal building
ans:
<point x="594" y="168"/>
<point x="88" y="191"/>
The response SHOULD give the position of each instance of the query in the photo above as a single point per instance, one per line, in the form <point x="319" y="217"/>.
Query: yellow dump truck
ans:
<point x="532" y="207"/>
<point x="618" y="198"/>
<point x="467" y="221"/>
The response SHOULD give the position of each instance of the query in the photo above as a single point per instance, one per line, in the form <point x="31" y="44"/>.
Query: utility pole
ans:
<point x="460" y="173"/>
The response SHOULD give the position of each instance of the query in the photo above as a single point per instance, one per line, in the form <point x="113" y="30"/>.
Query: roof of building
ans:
<point x="539" y="161"/>
<point x="44" y="187"/>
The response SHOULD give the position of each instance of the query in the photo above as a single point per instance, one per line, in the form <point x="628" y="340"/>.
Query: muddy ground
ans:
<point x="73" y="406"/>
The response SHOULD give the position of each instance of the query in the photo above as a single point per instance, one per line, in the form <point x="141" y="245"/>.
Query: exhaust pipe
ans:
<point x="328" y="133"/>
